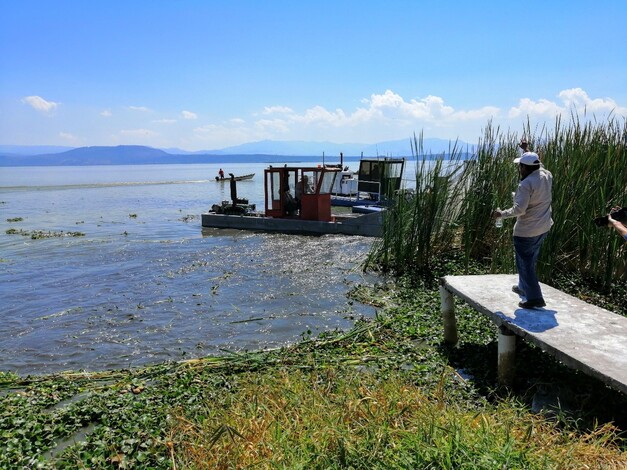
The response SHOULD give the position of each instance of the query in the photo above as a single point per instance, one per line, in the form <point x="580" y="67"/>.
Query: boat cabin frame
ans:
<point x="380" y="177"/>
<point x="299" y="192"/>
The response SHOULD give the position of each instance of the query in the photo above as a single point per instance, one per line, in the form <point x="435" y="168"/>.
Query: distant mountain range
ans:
<point x="262" y="151"/>
<point x="390" y="148"/>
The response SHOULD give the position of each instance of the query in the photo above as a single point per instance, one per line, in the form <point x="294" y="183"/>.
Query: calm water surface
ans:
<point x="146" y="283"/>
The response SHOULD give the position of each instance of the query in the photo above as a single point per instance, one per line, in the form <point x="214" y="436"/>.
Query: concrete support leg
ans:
<point x="447" y="307"/>
<point x="507" y="357"/>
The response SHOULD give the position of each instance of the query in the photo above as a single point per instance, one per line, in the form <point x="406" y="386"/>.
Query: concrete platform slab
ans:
<point x="580" y="335"/>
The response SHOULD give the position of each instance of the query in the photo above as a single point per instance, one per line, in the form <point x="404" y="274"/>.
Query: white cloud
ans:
<point x="387" y="114"/>
<point x="383" y="116"/>
<point x="320" y="116"/>
<point x="220" y="135"/>
<point x="139" y="108"/>
<point x="272" y="125"/>
<point x="378" y="117"/>
<point x="69" y="137"/>
<point x="277" y="110"/>
<point x="579" y="99"/>
<point x="40" y="104"/>
<point x="483" y="115"/>
<point x="430" y="109"/>
<point x="141" y="133"/>
<point x="543" y="107"/>
<point x="106" y="113"/>
<point x="572" y="100"/>
<point x="189" y="115"/>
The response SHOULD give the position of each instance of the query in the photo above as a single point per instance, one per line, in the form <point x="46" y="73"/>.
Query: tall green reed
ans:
<point x="421" y="224"/>
<point x="589" y="165"/>
<point x="454" y="200"/>
<point x="489" y="180"/>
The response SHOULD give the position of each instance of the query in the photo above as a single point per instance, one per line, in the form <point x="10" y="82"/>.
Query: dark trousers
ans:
<point x="527" y="250"/>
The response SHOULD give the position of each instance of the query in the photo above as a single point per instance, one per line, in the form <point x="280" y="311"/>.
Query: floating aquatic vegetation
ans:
<point x="38" y="234"/>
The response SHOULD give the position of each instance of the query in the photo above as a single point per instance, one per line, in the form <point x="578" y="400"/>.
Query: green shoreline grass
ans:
<point x="386" y="394"/>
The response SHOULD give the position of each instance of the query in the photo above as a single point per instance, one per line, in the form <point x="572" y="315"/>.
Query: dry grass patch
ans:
<point x="335" y="419"/>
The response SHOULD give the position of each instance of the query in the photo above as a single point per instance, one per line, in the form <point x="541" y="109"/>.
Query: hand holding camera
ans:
<point x="617" y="213"/>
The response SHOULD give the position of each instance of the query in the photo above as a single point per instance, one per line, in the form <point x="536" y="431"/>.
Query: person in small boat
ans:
<point x="221" y="174"/>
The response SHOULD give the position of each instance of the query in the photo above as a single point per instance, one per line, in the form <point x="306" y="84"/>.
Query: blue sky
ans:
<point x="207" y="74"/>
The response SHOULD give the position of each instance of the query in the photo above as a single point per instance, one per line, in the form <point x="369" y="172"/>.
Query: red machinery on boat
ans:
<point x="299" y="192"/>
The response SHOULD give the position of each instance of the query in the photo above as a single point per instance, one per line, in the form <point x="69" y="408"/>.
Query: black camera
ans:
<point x="619" y="214"/>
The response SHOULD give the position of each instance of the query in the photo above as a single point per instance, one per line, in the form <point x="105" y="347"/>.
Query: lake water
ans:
<point x="146" y="284"/>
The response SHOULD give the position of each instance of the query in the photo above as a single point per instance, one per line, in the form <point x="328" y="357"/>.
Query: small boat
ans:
<point x="297" y="201"/>
<point x="237" y="178"/>
<point x="367" y="208"/>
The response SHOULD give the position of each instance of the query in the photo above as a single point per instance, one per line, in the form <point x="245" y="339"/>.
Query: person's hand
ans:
<point x="610" y="221"/>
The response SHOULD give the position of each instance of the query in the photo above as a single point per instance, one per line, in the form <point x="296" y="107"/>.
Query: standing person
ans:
<point x="298" y="190"/>
<point x="221" y="174"/>
<point x="532" y="209"/>
<point x="290" y="204"/>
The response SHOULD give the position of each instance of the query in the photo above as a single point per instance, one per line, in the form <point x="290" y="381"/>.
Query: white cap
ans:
<point x="528" y="158"/>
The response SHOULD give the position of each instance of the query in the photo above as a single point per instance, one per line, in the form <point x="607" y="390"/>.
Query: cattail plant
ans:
<point x="455" y="196"/>
<point x="589" y="166"/>
<point x="421" y="224"/>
